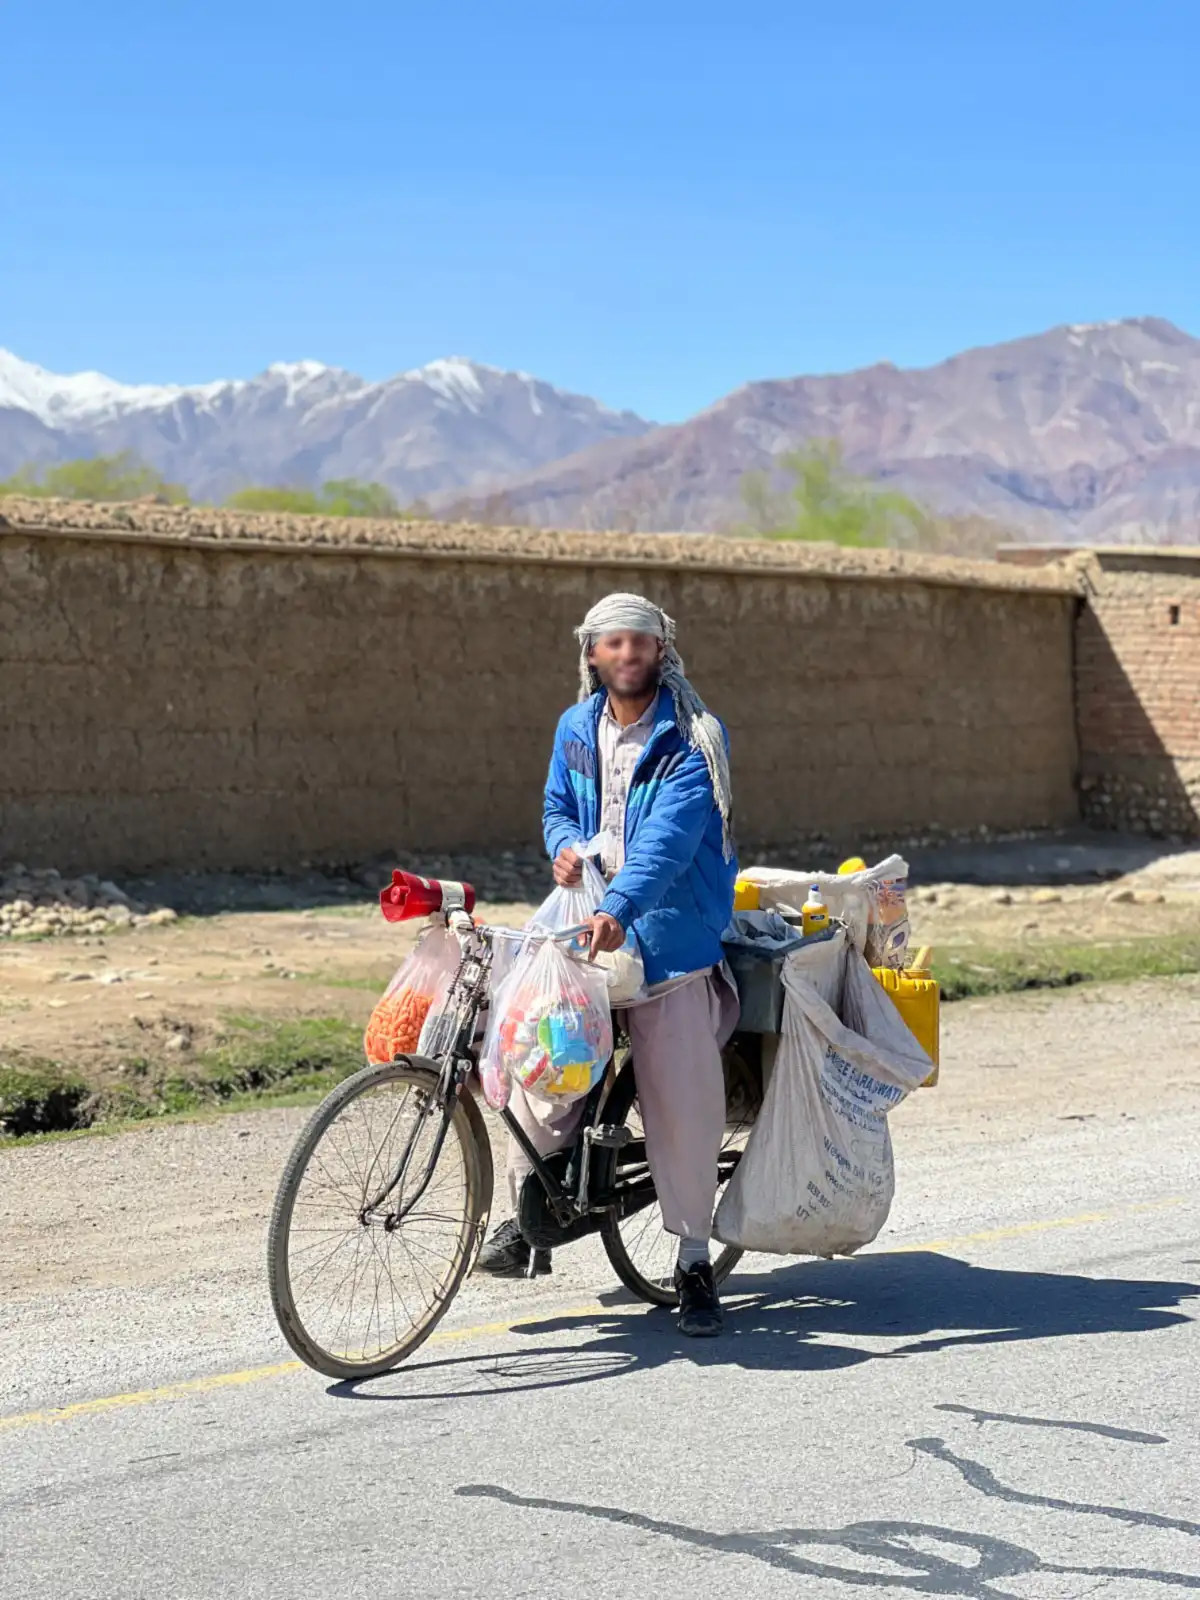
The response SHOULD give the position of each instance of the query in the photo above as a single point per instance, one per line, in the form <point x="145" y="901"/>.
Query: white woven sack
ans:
<point x="817" y="1177"/>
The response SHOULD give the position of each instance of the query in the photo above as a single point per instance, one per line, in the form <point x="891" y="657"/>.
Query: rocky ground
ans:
<point x="42" y="903"/>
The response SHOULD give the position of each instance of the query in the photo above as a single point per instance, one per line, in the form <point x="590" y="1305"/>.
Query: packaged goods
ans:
<point x="917" y="997"/>
<point x="871" y="902"/>
<point x="395" y="1025"/>
<point x="554" y="1024"/>
<point x="745" y="896"/>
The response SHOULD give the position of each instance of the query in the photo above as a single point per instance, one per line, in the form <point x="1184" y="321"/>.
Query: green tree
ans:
<point x="338" y="497"/>
<point x="826" y="503"/>
<point x="347" y="497"/>
<point x="300" y="501"/>
<point x="105" y="478"/>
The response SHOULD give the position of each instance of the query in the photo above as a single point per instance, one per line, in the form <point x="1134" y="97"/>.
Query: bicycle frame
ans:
<point x="450" y="1045"/>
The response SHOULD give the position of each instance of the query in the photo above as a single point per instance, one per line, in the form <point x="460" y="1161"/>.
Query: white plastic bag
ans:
<point x="494" y="1077"/>
<point x="419" y="988"/>
<point x="871" y="903"/>
<point x="554" y="1024"/>
<point x="817" y="1177"/>
<point x="568" y="908"/>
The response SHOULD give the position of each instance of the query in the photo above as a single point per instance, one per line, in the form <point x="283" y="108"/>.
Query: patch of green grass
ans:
<point x="260" y="1056"/>
<point x="206" y="1111"/>
<point x="258" y="1060"/>
<point x="966" y="971"/>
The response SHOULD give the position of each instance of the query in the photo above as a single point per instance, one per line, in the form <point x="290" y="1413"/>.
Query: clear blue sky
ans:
<point x="649" y="202"/>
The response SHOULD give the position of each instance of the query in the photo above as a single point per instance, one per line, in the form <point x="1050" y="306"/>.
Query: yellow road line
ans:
<point x="1019" y="1230"/>
<point x="233" y="1380"/>
<point x="141" y="1397"/>
<point x="278" y="1369"/>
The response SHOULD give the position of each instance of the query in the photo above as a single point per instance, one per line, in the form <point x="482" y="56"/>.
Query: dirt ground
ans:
<point x="164" y="994"/>
<point x="160" y="1202"/>
<point x="161" y="995"/>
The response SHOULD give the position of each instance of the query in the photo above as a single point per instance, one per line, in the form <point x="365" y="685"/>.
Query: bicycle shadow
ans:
<point x="796" y="1318"/>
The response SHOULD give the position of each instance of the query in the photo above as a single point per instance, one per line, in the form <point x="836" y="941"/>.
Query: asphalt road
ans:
<point x="1008" y="1409"/>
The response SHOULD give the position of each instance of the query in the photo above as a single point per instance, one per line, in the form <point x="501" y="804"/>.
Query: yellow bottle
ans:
<point x="814" y="913"/>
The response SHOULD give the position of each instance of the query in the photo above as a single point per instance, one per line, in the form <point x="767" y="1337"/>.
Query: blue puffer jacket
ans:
<point x="676" y="888"/>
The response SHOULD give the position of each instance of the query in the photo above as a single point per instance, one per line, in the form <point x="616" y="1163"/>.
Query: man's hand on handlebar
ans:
<point x="568" y="870"/>
<point x="607" y="935"/>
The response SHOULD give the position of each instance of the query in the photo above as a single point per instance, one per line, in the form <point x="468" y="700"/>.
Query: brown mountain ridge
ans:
<point x="1089" y="432"/>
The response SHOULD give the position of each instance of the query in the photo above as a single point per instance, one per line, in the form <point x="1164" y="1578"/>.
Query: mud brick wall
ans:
<point x="1138" y="676"/>
<point x="176" y="702"/>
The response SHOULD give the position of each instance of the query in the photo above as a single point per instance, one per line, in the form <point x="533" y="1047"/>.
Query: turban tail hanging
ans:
<point x="630" y="613"/>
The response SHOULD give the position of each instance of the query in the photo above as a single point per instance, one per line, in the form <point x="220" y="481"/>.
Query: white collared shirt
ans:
<point x="620" y="751"/>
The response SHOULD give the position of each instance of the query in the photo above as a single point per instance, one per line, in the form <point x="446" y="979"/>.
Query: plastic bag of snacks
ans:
<point x="555" y="1025"/>
<point x="568" y="908"/>
<point x="395" y="1025"/>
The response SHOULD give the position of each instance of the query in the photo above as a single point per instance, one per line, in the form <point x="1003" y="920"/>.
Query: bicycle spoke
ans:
<point x="648" y="1248"/>
<point x="362" y="1281"/>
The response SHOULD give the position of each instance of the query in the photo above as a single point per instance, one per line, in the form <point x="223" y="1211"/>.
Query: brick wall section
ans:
<point x="1138" y="692"/>
<point x="165" y="701"/>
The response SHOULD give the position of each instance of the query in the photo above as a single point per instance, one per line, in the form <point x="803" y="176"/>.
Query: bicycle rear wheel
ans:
<point x="640" y="1249"/>
<point x="355" y="1288"/>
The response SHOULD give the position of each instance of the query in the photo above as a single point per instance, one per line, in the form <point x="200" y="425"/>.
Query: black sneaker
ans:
<point x="506" y="1255"/>
<point x="700" y="1314"/>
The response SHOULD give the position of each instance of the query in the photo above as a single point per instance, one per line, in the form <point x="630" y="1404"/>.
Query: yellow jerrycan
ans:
<point x="917" y="996"/>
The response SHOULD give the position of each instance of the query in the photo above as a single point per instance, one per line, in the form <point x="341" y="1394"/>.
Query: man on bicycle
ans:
<point x="641" y="759"/>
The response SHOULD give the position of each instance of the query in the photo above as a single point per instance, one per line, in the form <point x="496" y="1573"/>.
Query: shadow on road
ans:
<point x="918" y="1557"/>
<point x="795" y="1319"/>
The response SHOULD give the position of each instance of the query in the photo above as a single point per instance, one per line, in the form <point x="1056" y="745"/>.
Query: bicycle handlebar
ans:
<point x="554" y="935"/>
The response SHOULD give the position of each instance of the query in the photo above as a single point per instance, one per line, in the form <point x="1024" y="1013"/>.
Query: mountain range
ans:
<point x="448" y="427"/>
<point x="1086" y="433"/>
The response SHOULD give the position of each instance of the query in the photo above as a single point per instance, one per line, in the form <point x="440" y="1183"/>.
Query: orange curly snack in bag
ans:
<point x="396" y="1022"/>
<point x="395" y="1025"/>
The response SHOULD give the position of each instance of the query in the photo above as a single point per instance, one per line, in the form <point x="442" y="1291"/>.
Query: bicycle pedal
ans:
<point x="539" y="1264"/>
<point x="609" y="1136"/>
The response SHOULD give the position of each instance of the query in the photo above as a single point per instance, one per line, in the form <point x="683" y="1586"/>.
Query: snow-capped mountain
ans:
<point x="1087" y="432"/>
<point x="447" y="427"/>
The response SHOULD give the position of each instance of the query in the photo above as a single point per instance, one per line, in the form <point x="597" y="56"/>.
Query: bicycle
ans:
<point x="351" y="1207"/>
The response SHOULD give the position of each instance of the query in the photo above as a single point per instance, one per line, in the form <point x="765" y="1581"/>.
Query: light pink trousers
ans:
<point x="677" y="1042"/>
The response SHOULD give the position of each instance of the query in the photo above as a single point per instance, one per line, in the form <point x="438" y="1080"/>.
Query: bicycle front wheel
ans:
<point x="357" y="1281"/>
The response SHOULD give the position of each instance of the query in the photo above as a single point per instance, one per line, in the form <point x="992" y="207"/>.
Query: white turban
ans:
<point x="630" y="613"/>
